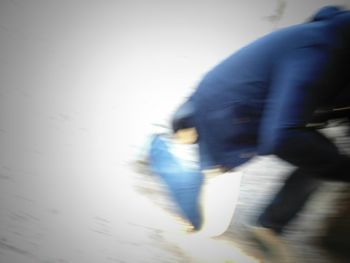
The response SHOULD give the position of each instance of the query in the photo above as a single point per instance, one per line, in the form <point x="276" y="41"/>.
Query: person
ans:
<point x="265" y="99"/>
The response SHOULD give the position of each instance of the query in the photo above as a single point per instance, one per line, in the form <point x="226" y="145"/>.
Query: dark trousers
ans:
<point x="303" y="181"/>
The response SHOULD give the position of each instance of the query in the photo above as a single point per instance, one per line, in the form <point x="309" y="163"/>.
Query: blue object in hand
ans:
<point x="184" y="184"/>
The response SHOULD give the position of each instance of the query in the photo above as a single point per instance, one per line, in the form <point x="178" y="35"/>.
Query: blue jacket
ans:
<point x="259" y="99"/>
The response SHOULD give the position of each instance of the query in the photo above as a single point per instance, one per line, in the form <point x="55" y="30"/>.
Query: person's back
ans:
<point x="306" y="60"/>
<point x="247" y="73"/>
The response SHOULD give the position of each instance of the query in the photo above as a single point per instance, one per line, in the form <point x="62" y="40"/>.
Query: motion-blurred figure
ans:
<point x="271" y="97"/>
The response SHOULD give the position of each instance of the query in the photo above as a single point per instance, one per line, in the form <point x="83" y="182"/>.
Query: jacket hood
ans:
<point x="327" y="12"/>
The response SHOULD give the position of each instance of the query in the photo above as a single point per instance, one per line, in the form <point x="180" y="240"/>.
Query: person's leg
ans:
<point x="300" y="185"/>
<point x="290" y="199"/>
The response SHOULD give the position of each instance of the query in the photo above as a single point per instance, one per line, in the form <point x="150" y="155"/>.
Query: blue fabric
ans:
<point x="326" y="12"/>
<point x="183" y="184"/>
<point x="265" y="93"/>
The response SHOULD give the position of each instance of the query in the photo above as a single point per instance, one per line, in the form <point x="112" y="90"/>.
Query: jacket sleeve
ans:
<point x="297" y="87"/>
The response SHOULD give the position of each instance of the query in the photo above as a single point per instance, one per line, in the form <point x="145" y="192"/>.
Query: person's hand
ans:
<point x="186" y="136"/>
